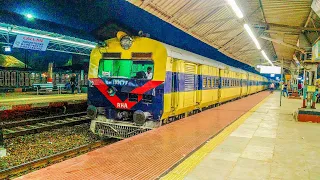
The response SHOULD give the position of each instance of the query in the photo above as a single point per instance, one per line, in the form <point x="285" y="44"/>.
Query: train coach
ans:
<point x="137" y="83"/>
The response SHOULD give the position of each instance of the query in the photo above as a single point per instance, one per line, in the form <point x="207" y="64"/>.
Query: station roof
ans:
<point x="278" y="24"/>
<point x="209" y="27"/>
<point x="7" y="61"/>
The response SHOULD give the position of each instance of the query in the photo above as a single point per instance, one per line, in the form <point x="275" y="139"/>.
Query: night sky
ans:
<point x="84" y="18"/>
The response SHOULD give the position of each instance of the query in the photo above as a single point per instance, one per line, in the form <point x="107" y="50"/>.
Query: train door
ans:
<point x="239" y="84"/>
<point x="169" y="91"/>
<point x="220" y="85"/>
<point x="175" y="83"/>
<point x="247" y="83"/>
<point x="200" y="84"/>
<point x="190" y="84"/>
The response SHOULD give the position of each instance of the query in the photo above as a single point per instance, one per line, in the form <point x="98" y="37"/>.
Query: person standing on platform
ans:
<point x="299" y="88"/>
<point x="285" y="89"/>
<point x="302" y="86"/>
<point x="73" y="82"/>
<point x="271" y="87"/>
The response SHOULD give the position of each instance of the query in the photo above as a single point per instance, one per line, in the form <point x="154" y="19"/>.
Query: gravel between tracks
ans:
<point x="23" y="149"/>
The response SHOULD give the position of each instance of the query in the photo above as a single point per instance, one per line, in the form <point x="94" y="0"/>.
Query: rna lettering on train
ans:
<point x="122" y="105"/>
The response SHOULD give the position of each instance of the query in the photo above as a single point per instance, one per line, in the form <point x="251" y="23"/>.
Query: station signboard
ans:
<point x="316" y="51"/>
<point x="30" y="42"/>
<point x="270" y="70"/>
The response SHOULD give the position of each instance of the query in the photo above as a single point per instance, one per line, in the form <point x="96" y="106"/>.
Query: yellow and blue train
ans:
<point x="137" y="83"/>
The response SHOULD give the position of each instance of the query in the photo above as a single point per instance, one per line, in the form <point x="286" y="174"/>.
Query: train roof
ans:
<point x="195" y="58"/>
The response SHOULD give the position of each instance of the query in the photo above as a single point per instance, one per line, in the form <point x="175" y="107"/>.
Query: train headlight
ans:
<point x="125" y="40"/>
<point x="112" y="91"/>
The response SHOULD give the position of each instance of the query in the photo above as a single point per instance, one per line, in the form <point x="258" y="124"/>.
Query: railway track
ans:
<point x="19" y="128"/>
<point x="40" y="163"/>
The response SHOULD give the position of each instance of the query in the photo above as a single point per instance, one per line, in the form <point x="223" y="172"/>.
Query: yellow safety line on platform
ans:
<point x="192" y="161"/>
<point x="43" y="98"/>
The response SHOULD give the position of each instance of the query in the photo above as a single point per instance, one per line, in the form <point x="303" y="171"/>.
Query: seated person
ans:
<point x="141" y="75"/>
<point x="149" y="73"/>
<point x="67" y="86"/>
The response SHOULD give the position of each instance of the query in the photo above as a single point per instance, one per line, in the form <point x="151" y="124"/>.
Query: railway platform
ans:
<point x="11" y="103"/>
<point x="251" y="138"/>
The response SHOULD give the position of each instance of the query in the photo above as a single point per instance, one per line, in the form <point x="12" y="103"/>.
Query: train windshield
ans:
<point x="129" y="69"/>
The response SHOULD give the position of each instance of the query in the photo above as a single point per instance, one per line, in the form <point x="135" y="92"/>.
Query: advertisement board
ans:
<point x="29" y="42"/>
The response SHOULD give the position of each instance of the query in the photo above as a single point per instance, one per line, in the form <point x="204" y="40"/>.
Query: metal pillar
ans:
<point x="309" y="91"/>
<point x="50" y="66"/>
<point x="281" y="90"/>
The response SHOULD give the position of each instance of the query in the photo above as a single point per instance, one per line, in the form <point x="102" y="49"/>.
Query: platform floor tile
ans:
<point x="152" y="154"/>
<point x="269" y="145"/>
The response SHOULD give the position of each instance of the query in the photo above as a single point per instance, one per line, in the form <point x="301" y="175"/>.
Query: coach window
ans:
<point x="128" y="69"/>
<point x="204" y="82"/>
<point x="209" y="82"/>
<point x="213" y="81"/>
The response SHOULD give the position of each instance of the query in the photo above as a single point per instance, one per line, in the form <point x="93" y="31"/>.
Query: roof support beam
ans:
<point x="283" y="43"/>
<point x="308" y="20"/>
<point x="217" y="20"/>
<point x="314" y="25"/>
<point x="281" y="32"/>
<point x="286" y="26"/>
<point x="204" y="19"/>
<point x="223" y="31"/>
<point x="248" y="50"/>
<point x="183" y="10"/>
<point x="234" y="41"/>
<point x="206" y="8"/>
<point x="145" y="3"/>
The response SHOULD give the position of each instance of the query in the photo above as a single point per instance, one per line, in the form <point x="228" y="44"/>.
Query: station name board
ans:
<point x="30" y="42"/>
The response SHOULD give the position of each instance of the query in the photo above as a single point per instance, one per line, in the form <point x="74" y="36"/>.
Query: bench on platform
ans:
<point x="48" y="87"/>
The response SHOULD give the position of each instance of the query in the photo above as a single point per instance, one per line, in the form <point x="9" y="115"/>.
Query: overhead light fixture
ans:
<point x="53" y="38"/>
<point x="235" y="8"/>
<point x="4" y="29"/>
<point x="246" y="26"/>
<point x="266" y="57"/>
<point x="7" y="48"/>
<point x="29" y="16"/>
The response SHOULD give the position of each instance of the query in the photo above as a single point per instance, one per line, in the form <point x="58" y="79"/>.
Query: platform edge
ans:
<point x="188" y="164"/>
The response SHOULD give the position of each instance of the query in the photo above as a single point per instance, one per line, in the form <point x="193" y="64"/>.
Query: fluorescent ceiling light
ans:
<point x="246" y="26"/>
<point x="4" y="29"/>
<point x="235" y="8"/>
<point x="266" y="57"/>
<point x="53" y="38"/>
<point x="49" y="37"/>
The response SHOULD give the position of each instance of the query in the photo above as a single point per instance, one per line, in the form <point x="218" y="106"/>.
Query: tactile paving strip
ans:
<point x="149" y="155"/>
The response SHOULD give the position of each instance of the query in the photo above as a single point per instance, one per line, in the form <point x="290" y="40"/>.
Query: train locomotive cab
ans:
<point x="125" y="94"/>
